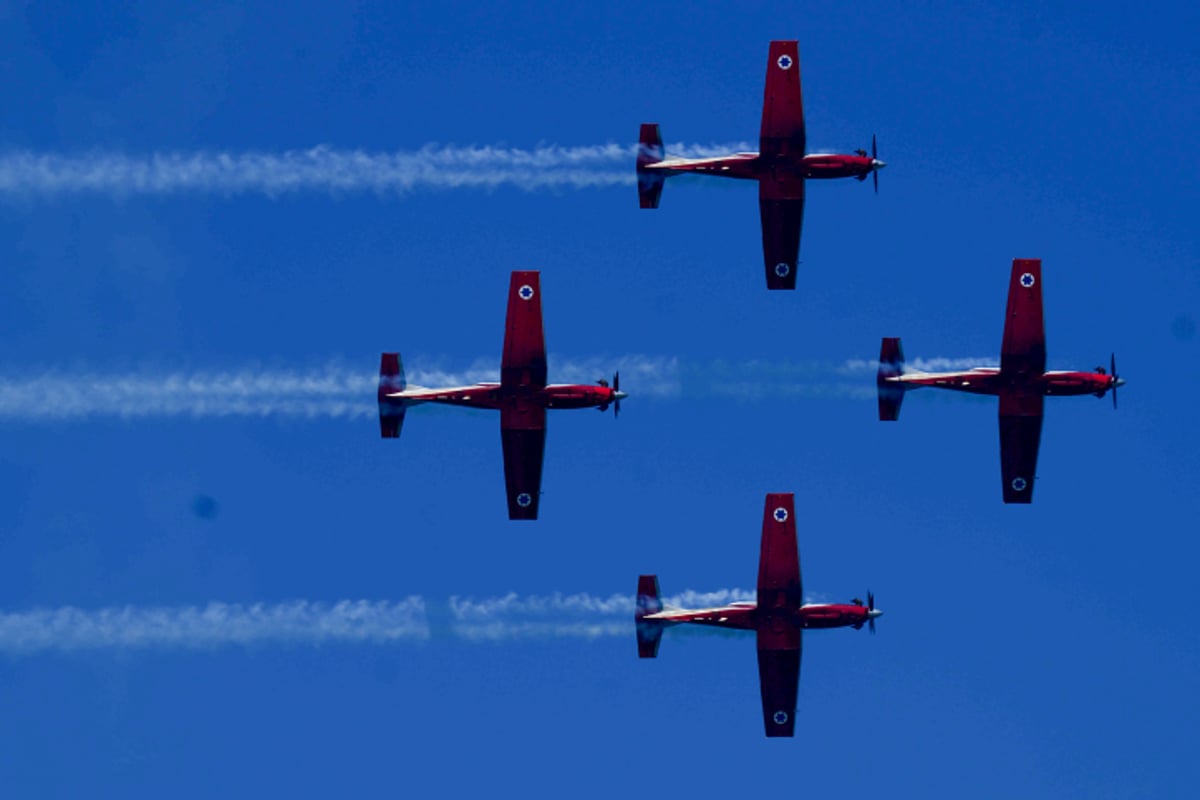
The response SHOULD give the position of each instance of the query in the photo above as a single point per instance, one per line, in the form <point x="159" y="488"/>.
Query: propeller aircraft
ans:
<point x="522" y="396"/>
<point x="778" y="616"/>
<point x="780" y="166"/>
<point x="1021" y="382"/>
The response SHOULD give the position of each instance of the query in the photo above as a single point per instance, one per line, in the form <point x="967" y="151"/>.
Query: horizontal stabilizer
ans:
<point x="891" y="358"/>
<point x="650" y="145"/>
<point x="650" y="151"/>
<point x="650" y="186"/>
<point x="891" y="393"/>
<point x="391" y="380"/>
<point x="649" y="601"/>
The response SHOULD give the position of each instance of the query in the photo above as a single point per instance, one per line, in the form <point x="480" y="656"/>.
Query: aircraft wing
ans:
<point x="523" y="363"/>
<point x="782" y="132"/>
<point x="781" y="205"/>
<point x="1020" y="435"/>
<point x="1024" y="347"/>
<point x="523" y="435"/>
<point x="779" y="685"/>
<point x="779" y="588"/>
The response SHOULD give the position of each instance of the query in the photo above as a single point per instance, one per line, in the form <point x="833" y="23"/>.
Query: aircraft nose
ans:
<point x="1120" y="382"/>
<point x="874" y="612"/>
<point x="620" y="395"/>
<point x="877" y="164"/>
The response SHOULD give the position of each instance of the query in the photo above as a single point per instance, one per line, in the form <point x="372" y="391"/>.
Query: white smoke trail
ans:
<point x="60" y="395"/>
<point x="213" y="625"/>
<point x="565" y="616"/>
<point x="937" y="364"/>
<point x="327" y="169"/>
<point x="334" y="391"/>
<point x="302" y="622"/>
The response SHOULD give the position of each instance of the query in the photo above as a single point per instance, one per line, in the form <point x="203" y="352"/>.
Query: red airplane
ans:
<point x="780" y="166"/>
<point x="778" y="617"/>
<point x="522" y="395"/>
<point x="1021" y="382"/>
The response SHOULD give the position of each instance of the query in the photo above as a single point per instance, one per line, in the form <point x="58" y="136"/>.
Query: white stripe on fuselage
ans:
<point x="419" y="392"/>
<point x="910" y="376"/>
<point x="672" y="163"/>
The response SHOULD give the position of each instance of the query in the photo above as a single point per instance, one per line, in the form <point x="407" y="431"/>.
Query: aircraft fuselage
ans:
<point x="493" y="395"/>
<point x="746" y="616"/>
<point x="752" y="166"/>
<point x="989" y="380"/>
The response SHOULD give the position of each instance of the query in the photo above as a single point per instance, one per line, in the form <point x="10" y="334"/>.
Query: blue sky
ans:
<point x="1040" y="651"/>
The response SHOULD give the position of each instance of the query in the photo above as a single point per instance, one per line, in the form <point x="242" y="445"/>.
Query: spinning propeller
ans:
<point x="1114" y="380"/>
<point x="617" y="394"/>
<point x="871" y="612"/>
<point x="876" y="164"/>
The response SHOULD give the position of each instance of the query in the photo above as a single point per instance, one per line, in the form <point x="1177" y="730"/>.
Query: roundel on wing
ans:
<point x="525" y="292"/>
<point x="524" y="500"/>
<point x="1027" y="280"/>
<point x="780" y="717"/>
<point x="782" y="269"/>
<point x="780" y="514"/>
<point x="785" y="61"/>
<point x="1019" y="484"/>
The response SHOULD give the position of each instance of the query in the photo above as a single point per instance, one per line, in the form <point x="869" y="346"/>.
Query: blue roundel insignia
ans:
<point x="784" y="62"/>
<point x="780" y="717"/>
<point x="780" y="514"/>
<point x="782" y="269"/>
<point x="1019" y="484"/>
<point x="1027" y="280"/>
<point x="524" y="500"/>
<point x="525" y="292"/>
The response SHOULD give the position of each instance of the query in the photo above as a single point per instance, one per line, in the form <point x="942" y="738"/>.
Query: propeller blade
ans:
<point x="1112" y="362"/>
<point x="617" y="388"/>
<point x="871" y="625"/>
<point x="870" y="601"/>
<point x="874" y="158"/>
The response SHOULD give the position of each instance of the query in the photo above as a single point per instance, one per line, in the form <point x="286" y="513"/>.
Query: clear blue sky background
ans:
<point x="1040" y="651"/>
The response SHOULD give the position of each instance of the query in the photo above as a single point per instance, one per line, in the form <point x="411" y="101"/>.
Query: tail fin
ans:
<point x="891" y="365"/>
<point x="650" y="151"/>
<point x="391" y="411"/>
<point x="649" y="601"/>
